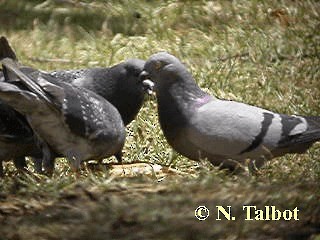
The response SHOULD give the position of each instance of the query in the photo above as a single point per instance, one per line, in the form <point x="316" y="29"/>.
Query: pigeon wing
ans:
<point x="230" y="128"/>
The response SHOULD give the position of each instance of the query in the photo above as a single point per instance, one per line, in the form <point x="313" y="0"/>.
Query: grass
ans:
<point x="262" y="53"/>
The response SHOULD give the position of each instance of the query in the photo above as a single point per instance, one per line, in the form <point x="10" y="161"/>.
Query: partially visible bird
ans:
<point x="17" y="139"/>
<point x="16" y="136"/>
<point x="119" y="84"/>
<point x="200" y="126"/>
<point x="68" y="120"/>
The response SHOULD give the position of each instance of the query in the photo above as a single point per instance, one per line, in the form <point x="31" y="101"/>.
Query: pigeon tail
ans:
<point x="13" y="70"/>
<point x="12" y="95"/>
<point x="313" y="121"/>
<point x="312" y="134"/>
<point x="299" y="143"/>
<point x="5" y="50"/>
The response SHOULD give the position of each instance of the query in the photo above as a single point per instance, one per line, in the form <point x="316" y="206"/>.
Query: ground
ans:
<point x="261" y="53"/>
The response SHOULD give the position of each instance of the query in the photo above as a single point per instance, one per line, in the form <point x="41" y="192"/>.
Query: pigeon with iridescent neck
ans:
<point x="226" y="133"/>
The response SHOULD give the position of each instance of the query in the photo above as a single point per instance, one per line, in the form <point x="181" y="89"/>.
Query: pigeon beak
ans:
<point x="144" y="75"/>
<point x="148" y="85"/>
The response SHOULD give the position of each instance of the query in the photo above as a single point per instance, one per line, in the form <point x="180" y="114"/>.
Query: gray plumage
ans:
<point x="68" y="120"/>
<point x="16" y="136"/>
<point x="119" y="84"/>
<point x="201" y="126"/>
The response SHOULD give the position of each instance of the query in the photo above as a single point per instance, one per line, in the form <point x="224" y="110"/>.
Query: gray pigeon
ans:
<point x="119" y="84"/>
<point x="200" y="126"/>
<point x="16" y="136"/>
<point x="68" y="120"/>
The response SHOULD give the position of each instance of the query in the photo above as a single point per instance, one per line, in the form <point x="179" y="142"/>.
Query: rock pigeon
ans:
<point x="67" y="120"/>
<point x="119" y="84"/>
<point x="201" y="126"/>
<point x="16" y="136"/>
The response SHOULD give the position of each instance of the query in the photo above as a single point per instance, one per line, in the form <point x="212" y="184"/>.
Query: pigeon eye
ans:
<point x="158" y="65"/>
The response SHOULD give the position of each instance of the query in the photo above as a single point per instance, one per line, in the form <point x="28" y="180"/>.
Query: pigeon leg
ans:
<point x="20" y="163"/>
<point x="75" y="160"/>
<point x="37" y="164"/>
<point x="118" y="156"/>
<point x="1" y="170"/>
<point x="48" y="163"/>
<point x="75" y="165"/>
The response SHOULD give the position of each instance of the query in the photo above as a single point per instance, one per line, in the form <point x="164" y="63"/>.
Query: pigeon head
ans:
<point x="160" y="60"/>
<point x="128" y="73"/>
<point x="162" y="68"/>
<point x="133" y="68"/>
<point x="168" y="72"/>
<point x="128" y="93"/>
<point x="119" y="84"/>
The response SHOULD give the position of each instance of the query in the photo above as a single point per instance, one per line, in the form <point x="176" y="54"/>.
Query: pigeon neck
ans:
<point x="188" y="94"/>
<point x="202" y="101"/>
<point x="178" y="102"/>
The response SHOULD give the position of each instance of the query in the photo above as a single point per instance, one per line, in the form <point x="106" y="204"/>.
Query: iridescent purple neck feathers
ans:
<point x="199" y="102"/>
